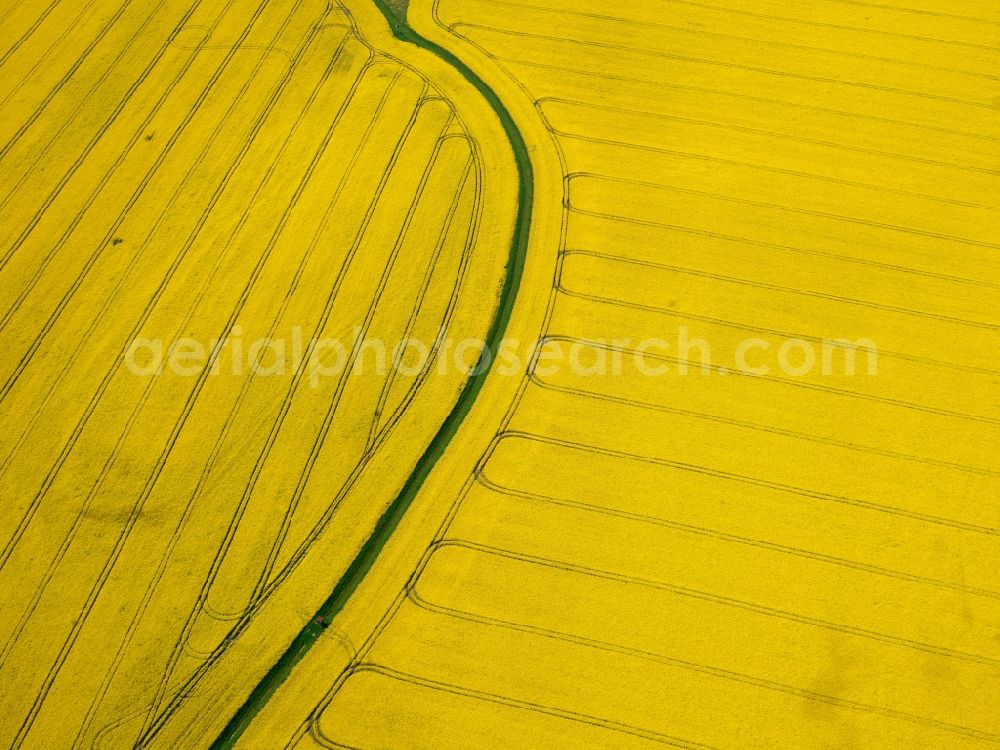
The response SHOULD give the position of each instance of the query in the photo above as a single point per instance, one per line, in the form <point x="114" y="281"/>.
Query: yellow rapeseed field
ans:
<point x="713" y="555"/>
<point x="740" y="489"/>
<point x="198" y="200"/>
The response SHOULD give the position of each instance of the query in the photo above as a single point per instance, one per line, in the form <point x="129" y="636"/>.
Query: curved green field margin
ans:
<point x="369" y="552"/>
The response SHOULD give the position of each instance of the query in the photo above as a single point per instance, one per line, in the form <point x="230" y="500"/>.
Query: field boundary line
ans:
<point x="387" y="523"/>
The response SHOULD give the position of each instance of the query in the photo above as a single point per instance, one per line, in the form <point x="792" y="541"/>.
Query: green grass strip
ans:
<point x="369" y="552"/>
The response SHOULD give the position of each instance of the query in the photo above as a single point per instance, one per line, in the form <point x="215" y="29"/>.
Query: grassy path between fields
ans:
<point x="369" y="552"/>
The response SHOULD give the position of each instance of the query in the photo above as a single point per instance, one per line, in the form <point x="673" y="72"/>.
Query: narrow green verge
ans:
<point x="369" y="551"/>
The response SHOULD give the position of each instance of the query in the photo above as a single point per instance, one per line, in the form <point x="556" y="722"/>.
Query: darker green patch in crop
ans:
<point x="398" y="8"/>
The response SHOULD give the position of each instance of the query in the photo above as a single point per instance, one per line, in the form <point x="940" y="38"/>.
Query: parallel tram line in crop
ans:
<point x="95" y="399"/>
<point x="544" y="526"/>
<point x="136" y="328"/>
<point x="310" y="725"/>
<point x="126" y="530"/>
<point x="750" y="241"/>
<point x="657" y="658"/>
<point x="939" y="14"/>
<point x="299" y="373"/>
<point x="342" y="381"/>
<point x="134" y="514"/>
<point x="411" y="595"/>
<point x="791" y="209"/>
<point x="213" y="457"/>
<point x="567" y="135"/>
<point x="153" y="300"/>
<point x="777" y="135"/>
<point x="839" y="27"/>
<point x="300" y="552"/>
<point x="317" y="734"/>
<point x="767" y="611"/>
<point x="316" y="731"/>
<point x="596" y="395"/>
<point x="646" y="24"/>
<point x="606" y="510"/>
<point x="380" y="438"/>
<point x="739" y="325"/>
<point x="109" y="235"/>
<point x="255" y="596"/>
<point x="265" y="588"/>
<point x="375" y="440"/>
<point x="474" y="168"/>
<point x="516" y="250"/>
<point x="807" y="106"/>
<point x="222" y="551"/>
<point x="114" y="295"/>
<point x="39" y="20"/>
<point x="101" y="131"/>
<point x="41" y="59"/>
<point x="723" y="8"/>
<point x="778" y="287"/>
<point x="840" y="392"/>
<point x="205" y="287"/>
<point x="359" y="661"/>
<point x="883" y="119"/>
<point x="621" y="48"/>
<point x="751" y="480"/>
<point x="763" y="100"/>
<point x="361" y="336"/>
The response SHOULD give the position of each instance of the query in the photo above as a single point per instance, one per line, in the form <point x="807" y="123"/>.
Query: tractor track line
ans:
<point x="369" y="552"/>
